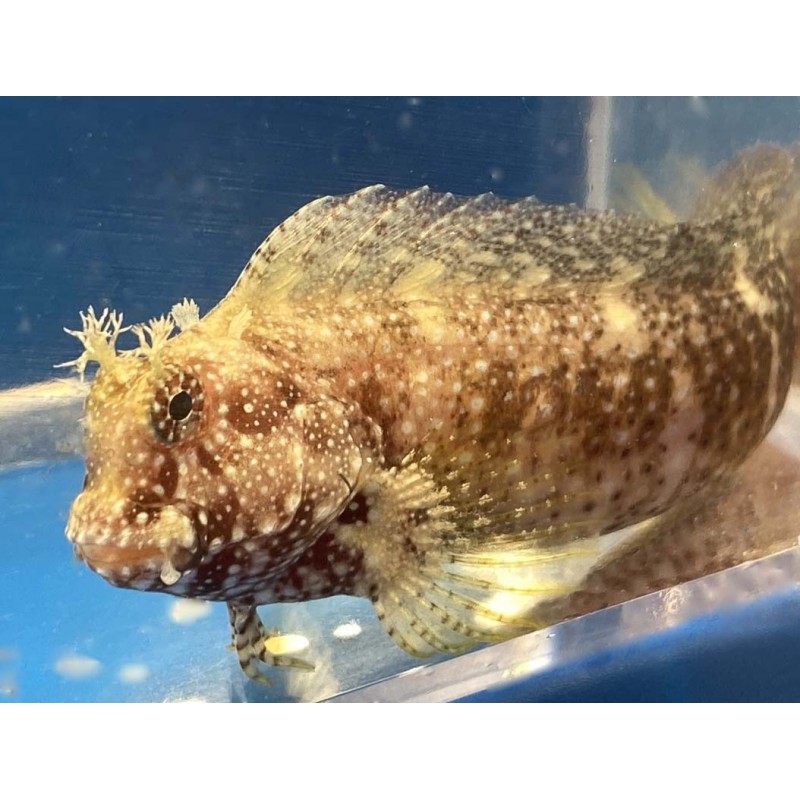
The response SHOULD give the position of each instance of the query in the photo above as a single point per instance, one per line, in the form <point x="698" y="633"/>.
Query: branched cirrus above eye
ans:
<point x="177" y="407"/>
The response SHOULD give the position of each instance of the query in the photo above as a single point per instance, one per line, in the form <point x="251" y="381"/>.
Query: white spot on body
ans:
<point x="755" y="301"/>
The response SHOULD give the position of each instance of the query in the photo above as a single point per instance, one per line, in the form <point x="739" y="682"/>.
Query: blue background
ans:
<point x="135" y="203"/>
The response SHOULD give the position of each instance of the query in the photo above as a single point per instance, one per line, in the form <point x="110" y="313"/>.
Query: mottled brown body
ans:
<point x="449" y="405"/>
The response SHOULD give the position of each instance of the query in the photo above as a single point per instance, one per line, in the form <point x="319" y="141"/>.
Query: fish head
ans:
<point x="210" y="467"/>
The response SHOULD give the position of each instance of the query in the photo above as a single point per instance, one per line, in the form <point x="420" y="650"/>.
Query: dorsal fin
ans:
<point x="378" y="240"/>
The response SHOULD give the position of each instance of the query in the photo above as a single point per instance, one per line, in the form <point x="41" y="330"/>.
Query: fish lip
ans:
<point x="98" y="554"/>
<point x="123" y="567"/>
<point x="138" y="557"/>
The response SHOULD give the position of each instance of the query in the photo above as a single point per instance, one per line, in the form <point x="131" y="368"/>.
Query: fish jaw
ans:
<point x="154" y="551"/>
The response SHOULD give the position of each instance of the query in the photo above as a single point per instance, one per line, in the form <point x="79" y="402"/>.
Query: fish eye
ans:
<point x="177" y="407"/>
<point x="180" y="406"/>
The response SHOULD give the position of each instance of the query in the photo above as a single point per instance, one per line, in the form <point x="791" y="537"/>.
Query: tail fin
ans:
<point x="753" y="185"/>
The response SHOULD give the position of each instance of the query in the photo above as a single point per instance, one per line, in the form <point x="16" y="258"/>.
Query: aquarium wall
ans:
<point x="135" y="204"/>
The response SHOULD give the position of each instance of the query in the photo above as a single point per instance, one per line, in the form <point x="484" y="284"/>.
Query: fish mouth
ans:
<point x="123" y="566"/>
<point x="155" y="557"/>
<point x="112" y="556"/>
<point x="143" y="568"/>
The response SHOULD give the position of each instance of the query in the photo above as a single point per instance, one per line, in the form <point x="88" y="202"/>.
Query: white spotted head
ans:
<point x="210" y="466"/>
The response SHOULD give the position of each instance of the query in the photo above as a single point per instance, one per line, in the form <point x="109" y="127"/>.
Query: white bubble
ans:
<point x="186" y="611"/>
<point x="347" y="630"/>
<point x="133" y="673"/>
<point x="77" y="666"/>
<point x="405" y="121"/>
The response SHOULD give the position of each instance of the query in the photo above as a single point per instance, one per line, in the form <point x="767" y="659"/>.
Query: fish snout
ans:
<point x="148" y="551"/>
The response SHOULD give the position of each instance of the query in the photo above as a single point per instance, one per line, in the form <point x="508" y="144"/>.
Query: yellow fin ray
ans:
<point x="439" y="588"/>
<point x="409" y="243"/>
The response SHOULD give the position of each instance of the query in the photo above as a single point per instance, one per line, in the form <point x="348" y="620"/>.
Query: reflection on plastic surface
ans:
<point x="506" y="671"/>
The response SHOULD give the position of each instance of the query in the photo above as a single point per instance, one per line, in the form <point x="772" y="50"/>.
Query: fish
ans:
<point x="457" y="407"/>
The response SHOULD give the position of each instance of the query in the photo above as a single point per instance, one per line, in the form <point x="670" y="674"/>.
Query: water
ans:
<point x="134" y="204"/>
